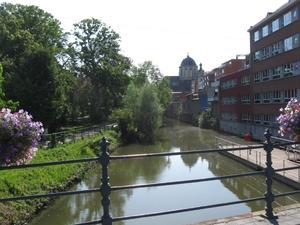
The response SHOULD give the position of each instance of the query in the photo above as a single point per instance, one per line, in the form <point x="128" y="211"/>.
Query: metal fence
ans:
<point x="51" y="140"/>
<point x="105" y="188"/>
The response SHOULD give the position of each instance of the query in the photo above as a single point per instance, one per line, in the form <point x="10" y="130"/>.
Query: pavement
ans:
<point x="286" y="215"/>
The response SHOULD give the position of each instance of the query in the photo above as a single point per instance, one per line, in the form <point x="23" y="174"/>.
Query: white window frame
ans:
<point x="246" y="118"/>
<point x="265" y="75"/>
<point x="265" y="53"/>
<point x="245" y="80"/>
<point x="266" y="97"/>
<point x="288" y="70"/>
<point x="267" y="119"/>
<point x="275" y="25"/>
<point x="288" y="94"/>
<point x="257" y="118"/>
<point x="277" y="96"/>
<point x="257" y="98"/>
<point x="275" y="48"/>
<point x="265" y="31"/>
<point x="257" y="77"/>
<point x="245" y="99"/>
<point x="287" y="18"/>
<point x="288" y="44"/>
<point x="276" y="71"/>
<point x="256" y="56"/>
<point x="256" y="36"/>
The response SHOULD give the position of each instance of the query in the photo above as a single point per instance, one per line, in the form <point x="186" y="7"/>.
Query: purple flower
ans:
<point x="19" y="137"/>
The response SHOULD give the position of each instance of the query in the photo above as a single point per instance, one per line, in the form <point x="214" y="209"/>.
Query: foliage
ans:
<point x="5" y="104"/>
<point x="95" y="54"/>
<point x="289" y="120"/>
<point x="146" y="111"/>
<point x="47" y="179"/>
<point x="149" y="73"/>
<point x="19" y="136"/>
<point x="31" y="48"/>
<point x="206" y="121"/>
<point x="125" y="121"/>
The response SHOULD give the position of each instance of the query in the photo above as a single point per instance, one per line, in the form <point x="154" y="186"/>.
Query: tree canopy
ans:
<point x="96" y="56"/>
<point x="30" y="42"/>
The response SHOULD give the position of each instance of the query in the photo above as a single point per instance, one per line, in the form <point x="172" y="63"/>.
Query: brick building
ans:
<point x="275" y="55"/>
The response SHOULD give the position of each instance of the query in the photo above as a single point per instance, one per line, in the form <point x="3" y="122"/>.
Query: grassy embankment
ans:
<point x="31" y="181"/>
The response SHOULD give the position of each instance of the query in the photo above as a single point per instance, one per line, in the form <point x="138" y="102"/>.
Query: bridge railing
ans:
<point x="105" y="188"/>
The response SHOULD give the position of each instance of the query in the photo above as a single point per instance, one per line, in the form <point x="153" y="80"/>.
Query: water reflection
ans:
<point x="175" y="137"/>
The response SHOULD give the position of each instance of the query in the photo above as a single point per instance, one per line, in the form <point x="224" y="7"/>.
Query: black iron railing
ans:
<point x="105" y="188"/>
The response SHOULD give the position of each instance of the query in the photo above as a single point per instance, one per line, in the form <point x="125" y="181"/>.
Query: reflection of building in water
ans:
<point x="243" y="187"/>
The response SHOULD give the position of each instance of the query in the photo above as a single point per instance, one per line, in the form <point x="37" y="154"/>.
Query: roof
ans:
<point x="188" y="61"/>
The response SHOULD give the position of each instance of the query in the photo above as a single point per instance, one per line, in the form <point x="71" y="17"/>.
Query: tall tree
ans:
<point x="5" y="104"/>
<point x="148" y="113"/>
<point x="96" y="54"/>
<point x="147" y="72"/>
<point x="31" y="43"/>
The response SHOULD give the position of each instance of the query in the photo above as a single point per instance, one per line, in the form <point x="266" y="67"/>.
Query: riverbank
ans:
<point x="47" y="179"/>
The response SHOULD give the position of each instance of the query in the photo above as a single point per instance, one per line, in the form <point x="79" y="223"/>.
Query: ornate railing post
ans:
<point x="105" y="187"/>
<point x="269" y="196"/>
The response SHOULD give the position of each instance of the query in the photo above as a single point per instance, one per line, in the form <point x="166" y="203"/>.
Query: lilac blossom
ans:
<point x="19" y="136"/>
<point x="289" y="119"/>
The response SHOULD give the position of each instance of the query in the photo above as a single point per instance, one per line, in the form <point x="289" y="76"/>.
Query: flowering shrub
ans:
<point x="19" y="137"/>
<point x="290" y="119"/>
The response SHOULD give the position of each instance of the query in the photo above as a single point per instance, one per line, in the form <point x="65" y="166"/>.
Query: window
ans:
<point x="287" y="18"/>
<point x="246" y="118"/>
<point x="257" y="98"/>
<point x="245" y="80"/>
<point x="275" y="48"/>
<point x="265" y="53"/>
<point x="288" y="44"/>
<point x="266" y="97"/>
<point x="256" y="56"/>
<point x="245" y="99"/>
<point x="288" y="94"/>
<point x="275" y="25"/>
<point x="265" y="31"/>
<point x="295" y="41"/>
<point x="267" y="119"/>
<point x="288" y="69"/>
<point x="276" y="72"/>
<point x="274" y="119"/>
<point x="276" y="96"/>
<point x="265" y="75"/>
<point x="257" y="118"/>
<point x="233" y="116"/>
<point x="256" y="36"/>
<point x="257" y="77"/>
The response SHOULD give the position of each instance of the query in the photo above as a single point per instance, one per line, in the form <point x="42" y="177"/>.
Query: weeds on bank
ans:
<point x="40" y="180"/>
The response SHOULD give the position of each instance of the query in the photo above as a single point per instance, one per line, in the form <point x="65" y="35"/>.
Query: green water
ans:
<point x="175" y="137"/>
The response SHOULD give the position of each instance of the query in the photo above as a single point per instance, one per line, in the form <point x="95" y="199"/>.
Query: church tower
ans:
<point x="188" y="75"/>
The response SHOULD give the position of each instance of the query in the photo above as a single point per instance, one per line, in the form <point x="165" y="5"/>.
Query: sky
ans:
<point x="166" y="31"/>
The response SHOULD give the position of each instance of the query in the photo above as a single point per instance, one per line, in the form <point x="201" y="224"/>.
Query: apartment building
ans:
<point x="235" y="102"/>
<point x="275" y="61"/>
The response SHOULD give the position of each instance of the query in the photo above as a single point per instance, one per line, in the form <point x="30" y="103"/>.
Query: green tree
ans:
<point x="6" y="104"/>
<point x="146" y="111"/>
<point x="96" y="54"/>
<point x="149" y="73"/>
<point x="149" y="113"/>
<point x="31" y="48"/>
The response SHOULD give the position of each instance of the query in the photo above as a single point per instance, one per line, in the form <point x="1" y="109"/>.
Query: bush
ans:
<point x="207" y="121"/>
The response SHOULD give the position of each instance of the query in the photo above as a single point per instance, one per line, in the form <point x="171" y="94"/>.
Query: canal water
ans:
<point x="175" y="137"/>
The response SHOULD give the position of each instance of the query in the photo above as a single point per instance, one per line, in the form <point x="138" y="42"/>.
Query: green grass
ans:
<point x="47" y="179"/>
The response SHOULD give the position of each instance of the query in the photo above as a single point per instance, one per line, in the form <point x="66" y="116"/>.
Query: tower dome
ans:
<point x="188" y="61"/>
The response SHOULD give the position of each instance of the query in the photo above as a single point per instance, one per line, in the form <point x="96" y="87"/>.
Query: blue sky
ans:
<point x="165" y="31"/>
